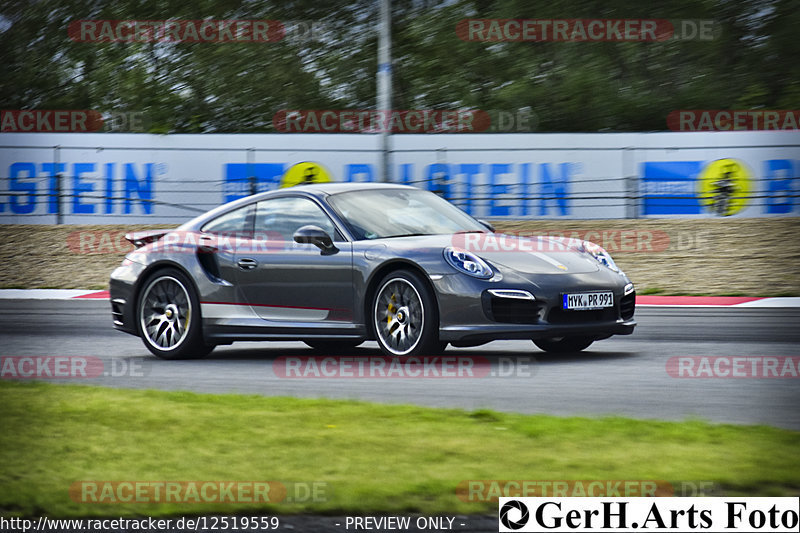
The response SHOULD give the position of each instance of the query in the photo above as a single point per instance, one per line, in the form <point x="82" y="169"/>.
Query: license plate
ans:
<point x="588" y="300"/>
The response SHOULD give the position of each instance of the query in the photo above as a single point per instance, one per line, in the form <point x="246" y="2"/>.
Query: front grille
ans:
<point x="627" y="306"/>
<point x="558" y="315"/>
<point x="514" y="311"/>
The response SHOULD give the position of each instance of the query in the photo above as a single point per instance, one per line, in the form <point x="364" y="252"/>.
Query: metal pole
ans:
<point x="385" y="82"/>
<point x="251" y="175"/>
<point x="59" y="177"/>
<point x="631" y="183"/>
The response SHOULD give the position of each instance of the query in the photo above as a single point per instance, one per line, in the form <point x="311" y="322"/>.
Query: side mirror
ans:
<point x="316" y="236"/>
<point x="487" y="224"/>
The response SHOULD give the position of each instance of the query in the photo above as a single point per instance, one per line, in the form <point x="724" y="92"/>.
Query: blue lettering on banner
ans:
<point x="79" y="186"/>
<point x="53" y="171"/>
<point x="406" y="173"/>
<point x="353" y="171"/>
<point x="438" y="179"/>
<point x="495" y="171"/>
<point x="554" y="188"/>
<point x="469" y="170"/>
<point x="502" y="184"/>
<point x="525" y="182"/>
<point x="237" y="178"/>
<point x="109" y="188"/>
<point x="78" y="183"/>
<point x="21" y="188"/>
<point x="142" y="188"/>
<point x="670" y="187"/>
<point x="781" y="186"/>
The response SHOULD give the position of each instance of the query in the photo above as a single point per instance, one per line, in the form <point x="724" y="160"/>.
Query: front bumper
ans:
<point x="469" y="312"/>
<point x="122" y="292"/>
<point x="490" y="332"/>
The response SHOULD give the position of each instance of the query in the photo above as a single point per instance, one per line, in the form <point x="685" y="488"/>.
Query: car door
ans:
<point x="286" y="282"/>
<point x="219" y="240"/>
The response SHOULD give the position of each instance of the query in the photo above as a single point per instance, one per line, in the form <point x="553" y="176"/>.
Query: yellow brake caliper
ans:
<point x="391" y="309"/>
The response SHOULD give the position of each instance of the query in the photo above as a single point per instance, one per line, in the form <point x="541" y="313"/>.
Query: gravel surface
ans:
<point x="690" y="256"/>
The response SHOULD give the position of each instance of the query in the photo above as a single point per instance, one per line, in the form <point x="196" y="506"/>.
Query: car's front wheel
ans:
<point x="168" y="313"/>
<point x="405" y="317"/>
<point x="564" y="344"/>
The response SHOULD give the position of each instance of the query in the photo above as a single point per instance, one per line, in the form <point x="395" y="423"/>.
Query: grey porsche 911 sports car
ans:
<point x="336" y="264"/>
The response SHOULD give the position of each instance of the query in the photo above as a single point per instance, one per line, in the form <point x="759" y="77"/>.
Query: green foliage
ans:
<point x="238" y="87"/>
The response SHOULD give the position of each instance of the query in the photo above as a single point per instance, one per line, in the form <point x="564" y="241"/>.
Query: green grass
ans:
<point x="374" y="458"/>
<point x="651" y="291"/>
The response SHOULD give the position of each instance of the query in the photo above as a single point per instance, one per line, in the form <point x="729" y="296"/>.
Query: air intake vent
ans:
<point x="515" y="311"/>
<point x="627" y="306"/>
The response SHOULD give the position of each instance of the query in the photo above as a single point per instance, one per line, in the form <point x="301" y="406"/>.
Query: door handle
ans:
<point x="246" y="263"/>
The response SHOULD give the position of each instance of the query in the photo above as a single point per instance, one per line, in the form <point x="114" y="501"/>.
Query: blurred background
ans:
<point x="720" y="55"/>
<point x="329" y="56"/>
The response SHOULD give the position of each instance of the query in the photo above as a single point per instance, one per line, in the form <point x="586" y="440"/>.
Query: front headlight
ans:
<point x="468" y="263"/>
<point x="600" y="254"/>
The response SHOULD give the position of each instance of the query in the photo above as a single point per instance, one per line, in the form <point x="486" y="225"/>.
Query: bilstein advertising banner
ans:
<point x="101" y="178"/>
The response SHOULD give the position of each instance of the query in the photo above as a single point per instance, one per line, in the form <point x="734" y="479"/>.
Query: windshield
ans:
<point x="382" y="213"/>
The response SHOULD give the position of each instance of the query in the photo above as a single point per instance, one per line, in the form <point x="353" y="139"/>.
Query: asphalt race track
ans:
<point x="625" y="376"/>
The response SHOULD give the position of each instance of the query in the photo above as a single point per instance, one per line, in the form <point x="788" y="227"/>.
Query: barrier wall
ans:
<point x="142" y="178"/>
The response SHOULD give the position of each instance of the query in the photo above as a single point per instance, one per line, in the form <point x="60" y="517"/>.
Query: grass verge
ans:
<point x="373" y="458"/>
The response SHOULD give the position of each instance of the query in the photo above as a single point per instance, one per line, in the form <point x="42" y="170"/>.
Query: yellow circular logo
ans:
<point x="724" y="187"/>
<point x="305" y="172"/>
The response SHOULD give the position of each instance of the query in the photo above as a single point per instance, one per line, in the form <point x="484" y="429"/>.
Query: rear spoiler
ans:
<point x="141" y="238"/>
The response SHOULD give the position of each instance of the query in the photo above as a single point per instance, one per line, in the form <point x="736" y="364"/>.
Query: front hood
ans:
<point x="532" y="255"/>
<point x="527" y="255"/>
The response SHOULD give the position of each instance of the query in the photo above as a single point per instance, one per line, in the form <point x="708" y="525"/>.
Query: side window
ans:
<point x="233" y="222"/>
<point x="279" y="218"/>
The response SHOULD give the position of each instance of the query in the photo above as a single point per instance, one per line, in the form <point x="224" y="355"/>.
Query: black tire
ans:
<point x="333" y="346"/>
<point x="167" y="308"/>
<point x="564" y="344"/>
<point x="409" y="309"/>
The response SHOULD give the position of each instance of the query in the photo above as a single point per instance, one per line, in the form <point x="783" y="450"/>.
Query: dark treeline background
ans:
<point x="238" y="87"/>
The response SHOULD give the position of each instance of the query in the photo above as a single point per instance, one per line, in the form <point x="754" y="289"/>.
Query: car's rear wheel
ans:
<point x="405" y="318"/>
<point x="333" y="346"/>
<point x="168" y="313"/>
<point x="564" y="344"/>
